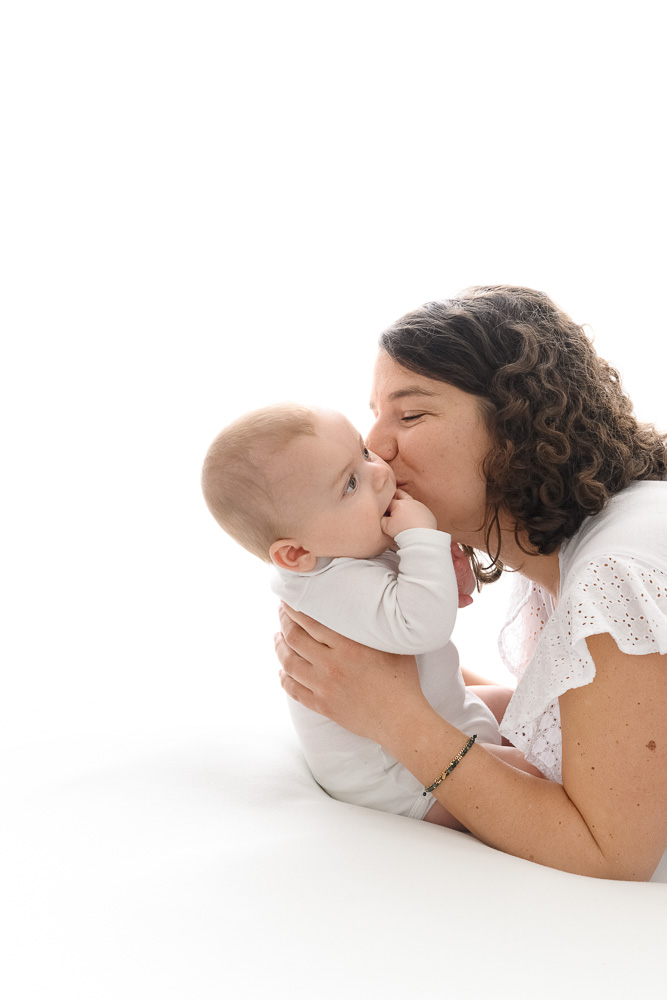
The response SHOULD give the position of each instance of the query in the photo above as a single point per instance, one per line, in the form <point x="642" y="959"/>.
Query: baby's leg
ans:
<point x="439" y="815"/>
<point x="495" y="697"/>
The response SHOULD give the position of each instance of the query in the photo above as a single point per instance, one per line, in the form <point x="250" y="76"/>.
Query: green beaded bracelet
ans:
<point x="450" y="767"/>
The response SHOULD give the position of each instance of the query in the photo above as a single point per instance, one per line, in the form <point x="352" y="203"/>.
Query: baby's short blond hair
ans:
<point x="237" y="488"/>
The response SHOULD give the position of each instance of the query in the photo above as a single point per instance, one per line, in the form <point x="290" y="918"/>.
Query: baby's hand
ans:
<point x="405" y="512"/>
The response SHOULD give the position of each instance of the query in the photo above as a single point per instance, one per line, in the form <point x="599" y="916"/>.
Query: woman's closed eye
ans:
<point x="413" y="416"/>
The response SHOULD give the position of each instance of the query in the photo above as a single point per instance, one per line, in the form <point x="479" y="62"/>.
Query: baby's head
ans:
<point x="293" y="484"/>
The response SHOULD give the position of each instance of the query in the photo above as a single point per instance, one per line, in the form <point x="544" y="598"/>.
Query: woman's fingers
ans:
<point x="295" y="690"/>
<point x="302" y="643"/>
<point x="292" y="662"/>
<point x="298" y="692"/>
<point x="362" y="689"/>
<point x="294" y="670"/>
<point x="295" y="623"/>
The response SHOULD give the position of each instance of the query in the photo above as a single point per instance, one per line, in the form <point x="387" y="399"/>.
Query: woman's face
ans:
<point x="435" y="438"/>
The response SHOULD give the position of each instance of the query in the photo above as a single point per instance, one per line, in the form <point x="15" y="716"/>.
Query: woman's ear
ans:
<point x="288" y="554"/>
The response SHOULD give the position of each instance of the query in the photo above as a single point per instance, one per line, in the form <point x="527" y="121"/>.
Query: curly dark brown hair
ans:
<point x="565" y="436"/>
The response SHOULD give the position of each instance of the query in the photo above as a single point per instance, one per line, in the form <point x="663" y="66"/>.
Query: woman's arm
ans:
<point x="608" y="819"/>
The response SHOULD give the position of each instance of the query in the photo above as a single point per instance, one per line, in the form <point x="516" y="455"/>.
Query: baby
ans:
<point x="297" y="487"/>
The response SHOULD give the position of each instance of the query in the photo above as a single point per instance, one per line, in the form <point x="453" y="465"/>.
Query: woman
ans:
<point x="493" y="410"/>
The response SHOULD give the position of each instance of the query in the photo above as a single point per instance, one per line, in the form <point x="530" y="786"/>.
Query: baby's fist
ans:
<point x="405" y="512"/>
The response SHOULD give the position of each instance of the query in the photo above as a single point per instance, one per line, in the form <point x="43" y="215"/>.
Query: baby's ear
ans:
<point x="288" y="554"/>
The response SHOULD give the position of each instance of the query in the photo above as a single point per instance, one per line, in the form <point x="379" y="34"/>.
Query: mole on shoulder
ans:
<point x="651" y="745"/>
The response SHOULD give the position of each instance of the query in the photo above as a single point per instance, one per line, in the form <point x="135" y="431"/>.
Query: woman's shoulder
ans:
<point x="613" y="580"/>
<point x="633" y="524"/>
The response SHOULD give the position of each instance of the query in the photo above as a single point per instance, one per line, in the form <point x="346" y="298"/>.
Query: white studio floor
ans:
<point x="208" y="209"/>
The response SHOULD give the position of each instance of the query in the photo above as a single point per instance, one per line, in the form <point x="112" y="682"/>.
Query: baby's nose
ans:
<point x="381" y="473"/>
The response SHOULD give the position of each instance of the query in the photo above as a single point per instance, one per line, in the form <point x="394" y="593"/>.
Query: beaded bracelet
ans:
<point x="450" y="767"/>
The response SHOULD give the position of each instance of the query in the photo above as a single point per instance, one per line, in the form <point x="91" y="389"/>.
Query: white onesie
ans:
<point x="399" y="602"/>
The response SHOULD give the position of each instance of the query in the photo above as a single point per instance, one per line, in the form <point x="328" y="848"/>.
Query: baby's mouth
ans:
<point x="386" y="513"/>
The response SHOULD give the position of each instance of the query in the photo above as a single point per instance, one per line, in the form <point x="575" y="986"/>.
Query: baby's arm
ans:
<point x="417" y="607"/>
<point x="420" y="603"/>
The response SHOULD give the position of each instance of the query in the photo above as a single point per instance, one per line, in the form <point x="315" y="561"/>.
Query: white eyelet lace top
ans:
<point x="613" y="578"/>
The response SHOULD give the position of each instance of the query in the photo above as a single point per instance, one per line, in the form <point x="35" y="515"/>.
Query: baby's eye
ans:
<point x="367" y="455"/>
<point x="351" y="485"/>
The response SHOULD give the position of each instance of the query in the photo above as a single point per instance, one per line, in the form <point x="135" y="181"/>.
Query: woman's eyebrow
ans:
<point x="409" y="390"/>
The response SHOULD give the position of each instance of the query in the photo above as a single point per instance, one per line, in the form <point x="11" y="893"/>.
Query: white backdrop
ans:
<point x="208" y="206"/>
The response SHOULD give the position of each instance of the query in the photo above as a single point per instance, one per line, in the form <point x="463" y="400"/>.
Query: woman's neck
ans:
<point x="542" y="570"/>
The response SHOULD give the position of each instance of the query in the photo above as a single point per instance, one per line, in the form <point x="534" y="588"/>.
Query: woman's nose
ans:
<point x="382" y="443"/>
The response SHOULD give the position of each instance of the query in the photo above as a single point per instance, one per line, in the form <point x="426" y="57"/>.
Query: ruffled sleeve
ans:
<point x="546" y="647"/>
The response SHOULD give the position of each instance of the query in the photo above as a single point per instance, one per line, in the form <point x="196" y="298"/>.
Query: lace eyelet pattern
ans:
<point x="545" y="646"/>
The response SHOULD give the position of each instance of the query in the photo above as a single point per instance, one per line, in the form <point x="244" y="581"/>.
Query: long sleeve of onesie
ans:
<point x="400" y="602"/>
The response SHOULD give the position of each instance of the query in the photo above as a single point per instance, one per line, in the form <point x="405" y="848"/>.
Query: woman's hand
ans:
<point x="368" y="692"/>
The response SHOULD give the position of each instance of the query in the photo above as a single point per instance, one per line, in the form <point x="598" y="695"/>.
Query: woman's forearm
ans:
<point x="507" y="809"/>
